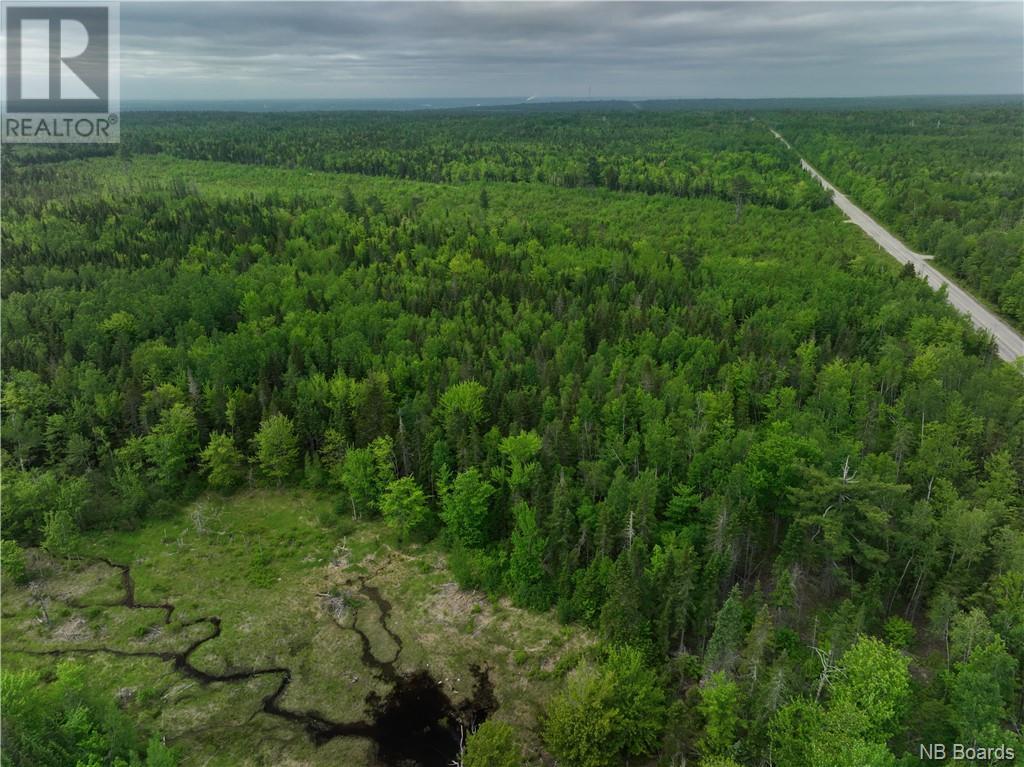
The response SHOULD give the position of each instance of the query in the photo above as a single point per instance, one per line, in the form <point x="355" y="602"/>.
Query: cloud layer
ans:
<point x="269" y="50"/>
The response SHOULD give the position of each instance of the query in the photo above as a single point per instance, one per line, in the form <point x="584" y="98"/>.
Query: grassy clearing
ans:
<point x="261" y="562"/>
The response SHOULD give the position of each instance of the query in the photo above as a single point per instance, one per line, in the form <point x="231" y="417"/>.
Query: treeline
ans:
<point x="737" y="455"/>
<point x="950" y="182"/>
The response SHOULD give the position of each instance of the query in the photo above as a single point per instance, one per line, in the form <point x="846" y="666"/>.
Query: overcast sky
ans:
<point x="266" y="50"/>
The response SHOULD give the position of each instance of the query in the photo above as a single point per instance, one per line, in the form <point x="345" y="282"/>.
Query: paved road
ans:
<point x="1009" y="343"/>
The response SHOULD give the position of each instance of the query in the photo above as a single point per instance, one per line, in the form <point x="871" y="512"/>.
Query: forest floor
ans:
<point x="249" y="633"/>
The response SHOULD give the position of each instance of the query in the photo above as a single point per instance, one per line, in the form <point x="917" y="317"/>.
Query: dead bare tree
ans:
<point x="828" y="668"/>
<point x="459" y="760"/>
<point x="38" y="597"/>
<point x="198" y="519"/>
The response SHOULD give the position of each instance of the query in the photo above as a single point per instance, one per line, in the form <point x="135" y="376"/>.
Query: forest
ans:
<point x="949" y="182"/>
<point x="626" y="374"/>
<point x="652" y="153"/>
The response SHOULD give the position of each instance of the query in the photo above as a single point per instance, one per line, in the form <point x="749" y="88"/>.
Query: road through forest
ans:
<point x="1009" y="342"/>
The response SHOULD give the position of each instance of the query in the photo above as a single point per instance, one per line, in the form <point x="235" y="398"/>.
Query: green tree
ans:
<point x="221" y="461"/>
<point x="404" y="507"/>
<point x="520" y="450"/>
<point x="60" y="532"/>
<point x="120" y="327"/>
<point x="740" y="188"/>
<point x="528" y="580"/>
<point x="580" y="727"/>
<point x="172" y="444"/>
<point x="849" y="517"/>
<point x="492" y="744"/>
<point x="670" y="573"/>
<point x="839" y="746"/>
<point x="623" y="618"/>
<point x="803" y="734"/>
<point x="605" y="714"/>
<point x="590" y="590"/>
<point x="27" y="496"/>
<point x="726" y="643"/>
<point x="794" y="729"/>
<point x="753" y="659"/>
<point x="982" y="689"/>
<point x="899" y="632"/>
<point x="61" y="524"/>
<point x="12" y="562"/>
<point x="364" y="473"/>
<point x="277" y="448"/>
<point x="465" y="508"/>
<point x="462" y="409"/>
<point x="69" y="722"/>
<point x="873" y="679"/>
<point x="719" y="705"/>
<point x="357" y="475"/>
<point x="160" y="755"/>
<point x="639" y="699"/>
<point x="969" y="630"/>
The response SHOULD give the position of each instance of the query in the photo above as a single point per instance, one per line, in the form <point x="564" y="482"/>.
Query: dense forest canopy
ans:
<point x="949" y="182"/>
<point x="651" y="152"/>
<point x="945" y="177"/>
<point x="629" y="368"/>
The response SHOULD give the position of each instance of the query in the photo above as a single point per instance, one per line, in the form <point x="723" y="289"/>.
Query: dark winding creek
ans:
<point x="415" y="723"/>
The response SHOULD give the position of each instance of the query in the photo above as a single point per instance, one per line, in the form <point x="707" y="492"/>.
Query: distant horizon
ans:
<point x="439" y="103"/>
<point x="549" y="99"/>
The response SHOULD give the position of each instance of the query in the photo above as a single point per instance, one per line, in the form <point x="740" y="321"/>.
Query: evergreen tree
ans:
<point x="623" y="618"/>
<point x="724" y="647"/>
<point x="528" y="581"/>
<point x="719" y="705"/>
<point x="462" y="409"/>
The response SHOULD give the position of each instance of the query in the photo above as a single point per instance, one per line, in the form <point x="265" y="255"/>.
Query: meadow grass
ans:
<point x="261" y="561"/>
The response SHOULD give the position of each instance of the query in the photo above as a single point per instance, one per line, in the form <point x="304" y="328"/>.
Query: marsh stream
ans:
<point x="415" y="724"/>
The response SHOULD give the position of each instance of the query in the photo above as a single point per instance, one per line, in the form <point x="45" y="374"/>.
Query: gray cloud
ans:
<point x="638" y="50"/>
